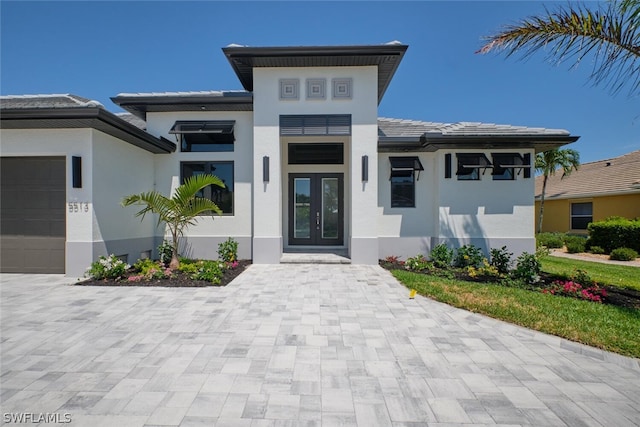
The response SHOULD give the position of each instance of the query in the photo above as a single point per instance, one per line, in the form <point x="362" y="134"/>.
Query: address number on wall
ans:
<point x="78" y="207"/>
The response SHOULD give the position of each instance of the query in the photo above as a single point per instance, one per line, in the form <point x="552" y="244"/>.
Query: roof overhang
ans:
<point x="563" y="196"/>
<point x="75" y="118"/>
<point x="140" y="105"/>
<point x="431" y="143"/>
<point x="386" y="57"/>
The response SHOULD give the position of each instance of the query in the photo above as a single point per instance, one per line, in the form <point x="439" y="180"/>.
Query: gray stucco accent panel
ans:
<point x="80" y="255"/>
<point x="404" y="247"/>
<point x="267" y="250"/>
<point x="364" y="250"/>
<point x="206" y="247"/>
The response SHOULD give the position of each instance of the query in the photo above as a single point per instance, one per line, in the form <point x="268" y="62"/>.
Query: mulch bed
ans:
<point x="177" y="280"/>
<point x="626" y="298"/>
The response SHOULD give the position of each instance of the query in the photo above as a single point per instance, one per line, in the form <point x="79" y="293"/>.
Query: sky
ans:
<point x="99" y="49"/>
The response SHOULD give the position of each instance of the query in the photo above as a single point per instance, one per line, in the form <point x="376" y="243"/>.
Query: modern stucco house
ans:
<point x="306" y="160"/>
<point x="595" y="191"/>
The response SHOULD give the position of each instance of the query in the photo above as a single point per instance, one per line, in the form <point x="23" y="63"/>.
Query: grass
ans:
<point x="621" y="276"/>
<point x="603" y="326"/>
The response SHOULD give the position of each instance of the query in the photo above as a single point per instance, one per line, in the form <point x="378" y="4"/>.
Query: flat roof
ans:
<point x="386" y="57"/>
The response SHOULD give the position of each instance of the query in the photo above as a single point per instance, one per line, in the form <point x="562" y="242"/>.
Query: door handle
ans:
<point x="317" y="220"/>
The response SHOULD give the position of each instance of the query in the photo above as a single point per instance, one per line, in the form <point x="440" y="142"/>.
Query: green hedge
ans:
<point x="615" y="232"/>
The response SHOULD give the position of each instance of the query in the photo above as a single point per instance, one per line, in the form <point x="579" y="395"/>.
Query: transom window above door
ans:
<point x="316" y="153"/>
<point x="205" y="135"/>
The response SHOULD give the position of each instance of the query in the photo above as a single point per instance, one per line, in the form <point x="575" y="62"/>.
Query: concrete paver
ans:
<point x="292" y="345"/>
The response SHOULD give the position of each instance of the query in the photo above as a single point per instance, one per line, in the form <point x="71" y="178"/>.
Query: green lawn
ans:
<point x="607" y="274"/>
<point x="607" y="327"/>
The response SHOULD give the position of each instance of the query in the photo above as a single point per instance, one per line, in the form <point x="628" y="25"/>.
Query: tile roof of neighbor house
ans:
<point x="66" y="111"/>
<point x="618" y="175"/>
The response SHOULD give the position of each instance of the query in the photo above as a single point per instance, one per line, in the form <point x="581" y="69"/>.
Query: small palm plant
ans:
<point x="180" y="210"/>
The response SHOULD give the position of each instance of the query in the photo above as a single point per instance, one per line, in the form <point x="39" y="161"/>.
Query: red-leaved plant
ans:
<point x="574" y="289"/>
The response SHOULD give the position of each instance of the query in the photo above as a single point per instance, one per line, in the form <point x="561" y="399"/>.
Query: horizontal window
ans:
<point x="223" y="197"/>
<point x="470" y="165"/>
<point x="507" y="165"/>
<point x="316" y="154"/>
<point x="205" y="136"/>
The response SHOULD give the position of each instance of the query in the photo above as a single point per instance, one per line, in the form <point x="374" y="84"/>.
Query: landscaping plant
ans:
<point x="180" y="210"/>
<point x="623" y="254"/>
<point x="109" y="267"/>
<point x="228" y="250"/>
<point x="468" y="256"/>
<point x="442" y="256"/>
<point x="501" y="259"/>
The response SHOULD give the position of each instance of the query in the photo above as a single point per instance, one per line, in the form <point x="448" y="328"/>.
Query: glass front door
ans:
<point x="315" y="209"/>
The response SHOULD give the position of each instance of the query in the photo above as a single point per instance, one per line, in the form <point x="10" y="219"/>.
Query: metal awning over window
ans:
<point x="405" y="166"/>
<point x="467" y="162"/>
<point x="502" y="161"/>
<point x="205" y="126"/>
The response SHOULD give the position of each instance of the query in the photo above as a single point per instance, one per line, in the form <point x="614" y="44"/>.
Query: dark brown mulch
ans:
<point x="625" y="298"/>
<point x="177" y="280"/>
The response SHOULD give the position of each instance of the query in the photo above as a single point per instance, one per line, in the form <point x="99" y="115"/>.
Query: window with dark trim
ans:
<point x="317" y="125"/>
<point x="404" y="173"/>
<point x="205" y="136"/>
<point x="507" y="165"/>
<point x="470" y="165"/>
<point x="581" y="215"/>
<point x="223" y="197"/>
<point x="316" y="154"/>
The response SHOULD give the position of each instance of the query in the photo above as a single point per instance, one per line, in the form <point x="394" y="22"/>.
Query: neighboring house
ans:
<point x="306" y="161"/>
<point x="595" y="191"/>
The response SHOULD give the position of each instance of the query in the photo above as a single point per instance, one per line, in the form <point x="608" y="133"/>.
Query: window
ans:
<point x="404" y="172"/>
<point x="317" y="125"/>
<point x="205" y="136"/>
<point x="469" y="165"/>
<point x="316" y="154"/>
<point x="581" y="215"/>
<point x="507" y="165"/>
<point x="223" y="197"/>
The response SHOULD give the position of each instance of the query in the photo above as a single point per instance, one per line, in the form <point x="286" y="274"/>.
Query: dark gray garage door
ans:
<point x="32" y="214"/>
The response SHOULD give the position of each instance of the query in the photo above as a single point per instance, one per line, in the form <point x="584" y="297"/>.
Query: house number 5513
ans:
<point x="78" y="207"/>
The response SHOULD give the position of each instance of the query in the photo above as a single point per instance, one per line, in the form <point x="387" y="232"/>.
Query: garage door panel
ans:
<point x="33" y="214"/>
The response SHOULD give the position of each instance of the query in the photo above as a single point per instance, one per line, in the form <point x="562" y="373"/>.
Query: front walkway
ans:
<point x="292" y="345"/>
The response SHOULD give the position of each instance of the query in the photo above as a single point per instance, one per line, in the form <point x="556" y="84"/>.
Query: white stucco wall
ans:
<point x="120" y="169"/>
<point x="203" y="238"/>
<point x="362" y="197"/>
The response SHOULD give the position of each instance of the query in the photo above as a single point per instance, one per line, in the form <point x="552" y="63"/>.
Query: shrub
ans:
<point x="165" y="252"/>
<point x="581" y="276"/>
<point x="501" y="259"/>
<point x="486" y="269"/>
<point x="151" y="270"/>
<point x="442" y="256"/>
<point x="527" y="269"/>
<point x="576" y="290"/>
<point x="623" y="254"/>
<point x="468" y="256"/>
<point x="417" y="263"/>
<point x="575" y="244"/>
<point x="550" y="240"/>
<point x="615" y="232"/>
<point x="228" y="251"/>
<point x="597" y="250"/>
<point x="107" y="268"/>
<point x="210" y="271"/>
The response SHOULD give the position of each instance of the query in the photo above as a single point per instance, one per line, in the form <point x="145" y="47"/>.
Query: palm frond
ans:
<point x="611" y="35"/>
<point x="192" y="185"/>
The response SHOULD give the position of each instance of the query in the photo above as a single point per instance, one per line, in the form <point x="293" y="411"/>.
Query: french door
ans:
<point x="316" y="209"/>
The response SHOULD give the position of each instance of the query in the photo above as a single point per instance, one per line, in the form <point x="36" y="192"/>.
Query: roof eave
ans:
<point x="140" y="105"/>
<point x="539" y="142"/>
<point x="97" y="118"/>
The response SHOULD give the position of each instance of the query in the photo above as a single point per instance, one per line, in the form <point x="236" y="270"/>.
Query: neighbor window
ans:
<point x="223" y="197"/>
<point x="470" y="164"/>
<point x="404" y="172"/>
<point x="581" y="215"/>
<point x="205" y="136"/>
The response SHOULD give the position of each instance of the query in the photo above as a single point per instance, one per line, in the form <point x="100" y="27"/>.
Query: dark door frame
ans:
<point x="315" y="213"/>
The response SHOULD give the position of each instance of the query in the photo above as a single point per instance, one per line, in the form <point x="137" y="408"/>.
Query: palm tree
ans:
<point x="548" y="163"/>
<point x="611" y="33"/>
<point x="179" y="211"/>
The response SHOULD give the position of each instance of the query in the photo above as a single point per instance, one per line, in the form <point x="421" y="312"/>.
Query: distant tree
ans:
<point x="180" y="210"/>
<point x="611" y="34"/>
<point x="548" y="163"/>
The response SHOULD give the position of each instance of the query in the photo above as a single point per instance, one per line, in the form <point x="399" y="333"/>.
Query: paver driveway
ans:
<point x="289" y="345"/>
